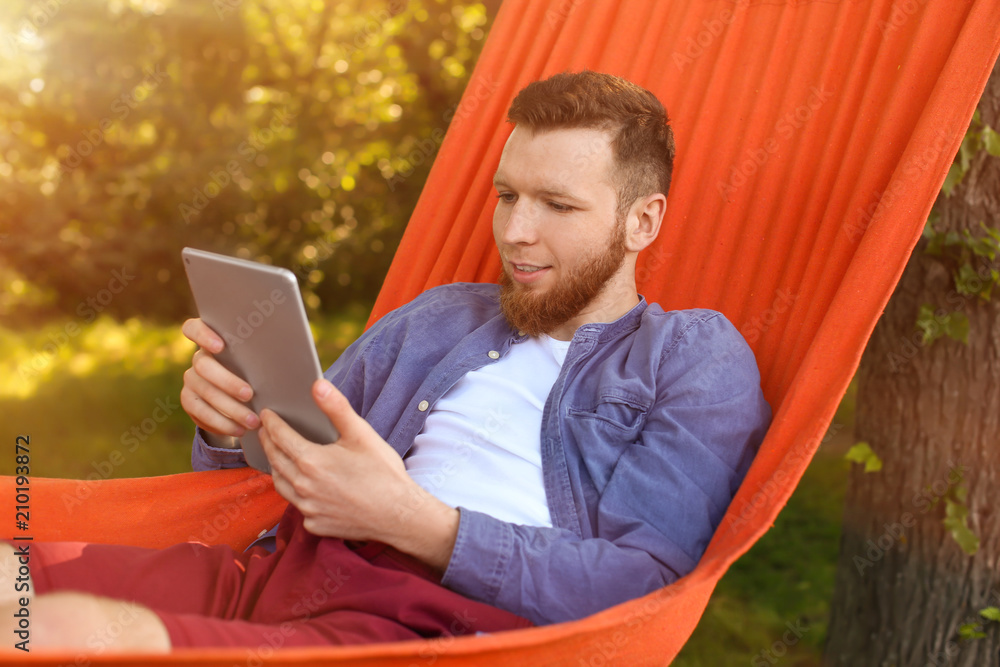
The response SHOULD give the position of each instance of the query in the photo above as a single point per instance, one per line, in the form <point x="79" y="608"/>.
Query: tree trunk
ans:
<point x="932" y="414"/>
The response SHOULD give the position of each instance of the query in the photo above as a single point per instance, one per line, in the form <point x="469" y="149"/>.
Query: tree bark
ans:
<point x="932" y="414"/>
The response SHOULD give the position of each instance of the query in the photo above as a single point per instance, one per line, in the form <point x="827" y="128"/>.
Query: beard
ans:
<point x="536" y="312"/>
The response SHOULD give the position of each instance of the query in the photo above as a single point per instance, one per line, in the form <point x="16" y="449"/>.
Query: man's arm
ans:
<point x="353" y="488"/>
<point x="662" y="500"/>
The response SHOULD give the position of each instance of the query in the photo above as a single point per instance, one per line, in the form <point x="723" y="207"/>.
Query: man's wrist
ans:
<point x="429" y="533"/>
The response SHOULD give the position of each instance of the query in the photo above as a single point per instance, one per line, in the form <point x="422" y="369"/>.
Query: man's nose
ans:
<point x="521" y="225"/>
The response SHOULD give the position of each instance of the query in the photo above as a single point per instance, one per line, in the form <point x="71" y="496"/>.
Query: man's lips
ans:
<point x="527" y="273"/>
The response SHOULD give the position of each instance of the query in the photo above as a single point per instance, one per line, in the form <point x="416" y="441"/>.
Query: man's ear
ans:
<point x="645" y="219"/>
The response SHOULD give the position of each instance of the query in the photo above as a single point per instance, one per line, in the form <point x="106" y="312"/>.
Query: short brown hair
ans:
<point x="642" y="142"/>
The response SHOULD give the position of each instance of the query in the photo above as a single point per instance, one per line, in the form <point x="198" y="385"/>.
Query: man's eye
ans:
<point x="507" y="197"/>
<point x="562" y="208"/>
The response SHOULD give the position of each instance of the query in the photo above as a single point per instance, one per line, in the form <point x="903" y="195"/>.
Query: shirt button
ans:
<point x="423" y="405"/>
<point x="493" y="354"/>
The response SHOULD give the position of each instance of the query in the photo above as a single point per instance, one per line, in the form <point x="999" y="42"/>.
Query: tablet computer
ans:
<point x="258" y="311"/>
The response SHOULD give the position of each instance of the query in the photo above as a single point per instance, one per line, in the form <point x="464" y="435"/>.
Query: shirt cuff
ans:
<point x="483" y="549"/>
<point x="207" y="457"/>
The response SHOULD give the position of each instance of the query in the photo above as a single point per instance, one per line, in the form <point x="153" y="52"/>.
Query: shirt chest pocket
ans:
<point x="618" y="412"/>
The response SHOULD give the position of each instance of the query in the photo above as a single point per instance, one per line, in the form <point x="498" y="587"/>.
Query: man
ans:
<point x="528" y="453"/>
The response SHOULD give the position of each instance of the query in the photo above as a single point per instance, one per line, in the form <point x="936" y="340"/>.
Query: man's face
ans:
<point x="555" y="224"/>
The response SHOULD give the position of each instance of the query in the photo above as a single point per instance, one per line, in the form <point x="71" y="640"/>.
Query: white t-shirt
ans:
<point x="480" y="447"/>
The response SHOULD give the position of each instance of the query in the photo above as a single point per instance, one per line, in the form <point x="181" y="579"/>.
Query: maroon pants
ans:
<point x="310" y="591"/>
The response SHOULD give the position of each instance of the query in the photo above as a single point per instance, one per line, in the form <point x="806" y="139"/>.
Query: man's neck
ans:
<point x="602" y="310"/>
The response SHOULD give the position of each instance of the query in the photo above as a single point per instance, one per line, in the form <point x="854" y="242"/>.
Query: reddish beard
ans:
<point x="535" y="312"/>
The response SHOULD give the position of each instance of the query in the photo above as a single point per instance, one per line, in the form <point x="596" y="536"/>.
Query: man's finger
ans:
<point x="202" y="335"/>
<point x="278" y="473"/>
<point x="283" y="437"/>
<point x="335" y="405"/>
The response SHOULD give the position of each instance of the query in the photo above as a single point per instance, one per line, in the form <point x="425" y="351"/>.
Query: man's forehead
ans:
<point x="559" y="155"/>
<point x="584" y="142"/>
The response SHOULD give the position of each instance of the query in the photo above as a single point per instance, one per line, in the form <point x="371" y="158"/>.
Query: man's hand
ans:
<point x="213" y="397"/>
<point x="356" y="488"/>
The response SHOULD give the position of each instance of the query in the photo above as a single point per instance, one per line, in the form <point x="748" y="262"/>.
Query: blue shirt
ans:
<point x="646" y="435"/>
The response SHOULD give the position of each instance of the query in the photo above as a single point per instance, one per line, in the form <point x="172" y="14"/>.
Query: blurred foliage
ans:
<point x="102" y="398"/>
<point x="294" y="132"/>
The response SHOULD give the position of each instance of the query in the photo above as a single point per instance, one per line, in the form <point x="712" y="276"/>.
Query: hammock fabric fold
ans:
<point x="812" y="139"/>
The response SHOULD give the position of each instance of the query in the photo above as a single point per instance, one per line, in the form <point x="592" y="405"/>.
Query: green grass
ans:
<point x="101" y="400"/>
<point x="79" y="395"/>
<point x="785" y="580"/>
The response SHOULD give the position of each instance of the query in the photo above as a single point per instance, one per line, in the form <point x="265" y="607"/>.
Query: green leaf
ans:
<point x="862" y="453"/>
<point x="956" y="326"/>
<point x="954" y="177"/>
<point x="960" y="493"/>
<point x="991" y="141"/>
<point x="968" y="150"/>
<point x="970" y="631"/>
<point x="990" y="613"/>
<point x="931" y="224"/>
<point x="934" y="245"/>
<point x="982" y="246"/>
<point x="956" y="521"/>
<point x="928" y="324"/>
<point x="967" y="280"/>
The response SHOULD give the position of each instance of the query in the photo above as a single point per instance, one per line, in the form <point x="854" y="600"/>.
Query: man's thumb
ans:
<point x="336" y="406"/>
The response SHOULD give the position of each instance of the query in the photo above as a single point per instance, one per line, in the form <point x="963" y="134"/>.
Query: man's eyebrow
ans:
<point x="560" y="194"/>
<point x="553" y="192"/>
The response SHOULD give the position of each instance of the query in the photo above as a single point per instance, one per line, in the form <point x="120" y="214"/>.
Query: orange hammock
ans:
<point x="812" y="138"/>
